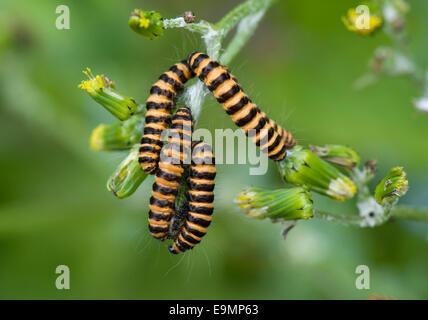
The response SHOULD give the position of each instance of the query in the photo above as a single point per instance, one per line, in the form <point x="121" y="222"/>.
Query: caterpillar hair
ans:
<point x="158" y="115"/>
<point x="265" y="133"/>
<point x="168" y="175"/>
<point x="200" y="197"/>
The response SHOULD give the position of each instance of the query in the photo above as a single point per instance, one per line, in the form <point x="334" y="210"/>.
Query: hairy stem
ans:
<point x="397" y="213"/>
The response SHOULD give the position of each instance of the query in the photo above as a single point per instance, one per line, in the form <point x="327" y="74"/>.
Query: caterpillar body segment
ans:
<point x="169" y="173"/>
<point x="158" y="115"/>
<point x="270" y="137"/>
<point x="200" y="198"/>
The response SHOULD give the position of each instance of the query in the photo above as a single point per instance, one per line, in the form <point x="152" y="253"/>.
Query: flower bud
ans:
<point x="128" y="176"/>
<point x="279" y="204"/>
<point x="117" y="136"/>
<point x="102" y="90"/>
<point x="392" y="187"/>
<point x="303" y="167"/>
<point x="149" y="24"/>
<point x="337" y="154"/>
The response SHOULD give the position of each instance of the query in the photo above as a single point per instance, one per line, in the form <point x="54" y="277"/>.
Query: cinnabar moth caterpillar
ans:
<point x="158" y="116"/>
<point x="200" y="197"/>
<point x="168" y="175"/>
<point x="265" y="133"/>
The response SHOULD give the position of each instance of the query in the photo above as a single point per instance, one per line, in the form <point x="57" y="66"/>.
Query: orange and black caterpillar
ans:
<point x="265" y="133"/>
<point x="200" y="197"/>
<point x="158" y="115"/>
<point x="168" y="175"/>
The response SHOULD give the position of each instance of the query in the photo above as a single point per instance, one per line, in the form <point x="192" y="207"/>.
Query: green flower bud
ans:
<point x="128" y="176"/>
<point x="392" y="187"/>
<point x="102" y="90"/>
<point x="149" y="24"/>
<point x="117" y="136"/>
<point x="303" y="167"/>
<point x="280" y="204"/>
<point x="337" y="154"/>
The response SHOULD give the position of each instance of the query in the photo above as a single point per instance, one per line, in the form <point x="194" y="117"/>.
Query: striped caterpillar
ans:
<point x="158" y="115"/>
<point x="200" y="198"/>
<point x="168" y="175"/>
<point x="265" y="133"/>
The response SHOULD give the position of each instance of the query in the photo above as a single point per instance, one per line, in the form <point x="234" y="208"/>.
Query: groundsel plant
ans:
<point x="389" y="17"/>
<point x="333" y="171"/>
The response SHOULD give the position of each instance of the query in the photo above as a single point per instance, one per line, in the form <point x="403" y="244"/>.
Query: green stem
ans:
<point x="410" y="213"/>
<point x="397" y="213"/>
<point x="237" y="14"/>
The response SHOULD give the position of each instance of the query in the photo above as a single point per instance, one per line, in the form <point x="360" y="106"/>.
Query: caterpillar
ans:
<point x="168" y="175"/>
<point x="200" y="197"/>
<point x="158" y="115"/>
<point x="265" y="133"/>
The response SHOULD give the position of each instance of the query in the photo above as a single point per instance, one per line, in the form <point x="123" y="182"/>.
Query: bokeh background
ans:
<point x="300" y="67"/>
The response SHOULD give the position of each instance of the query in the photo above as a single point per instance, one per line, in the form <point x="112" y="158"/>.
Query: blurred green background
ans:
<point x="299" y="67"/>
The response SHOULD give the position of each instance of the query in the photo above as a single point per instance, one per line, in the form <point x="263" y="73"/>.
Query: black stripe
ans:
<point x="229" y="94"/>
<point x="208" y="68"/>
<point x="145" y="140"/>
<point x="154" y="229"/>
<point x="146" y="160"/>
<point x="161" y="203"/>
<point x="182" y="117"/>
<point x="183" y="245"/>
<point x="181" y="126"/>
<point x="188" y="237"/>
<point x="164" y="190"/>
<point x="179" y="73"/>
<point x="280" y="154"/>
<point x="154" y="119"/>
<point x="157" y="105"/>
<point x="200" y="186"/>
<point x="201" y="209"/>
<point x="168" y="176"/>
<point x="247" y="119"/>
<point x="177" y="85"/>
<point x="201" y="175"/>
<point x="162" y="92"/>
<point x="235" y="108"/>
<point x="150" y="130"/>
<point x="195" y="232"/>
<point x="218" y="81"/>
<point x="275" y="143"/>
<point x="198" y="221"/>
<point x="148" y="149"/>
<point x="272" y="146"/>
<point x="189" y="58"/>
<point x="260" y="125"/>
<point x="198" y="60"/>
<point x="270" y="134"/>
<point x="159" y="216"/>
<point x="200" y="198"/>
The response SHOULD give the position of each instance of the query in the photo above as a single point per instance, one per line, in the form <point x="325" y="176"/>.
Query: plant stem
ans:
<point x="410" y="213"/>
<point x="237" y="14"/>
<point x="398" y="213"/>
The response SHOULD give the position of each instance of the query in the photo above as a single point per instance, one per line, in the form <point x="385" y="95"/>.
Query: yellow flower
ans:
<point x="93" y="83"/>
<point x="353" y="23"/>
<point x="102" y="90"/>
